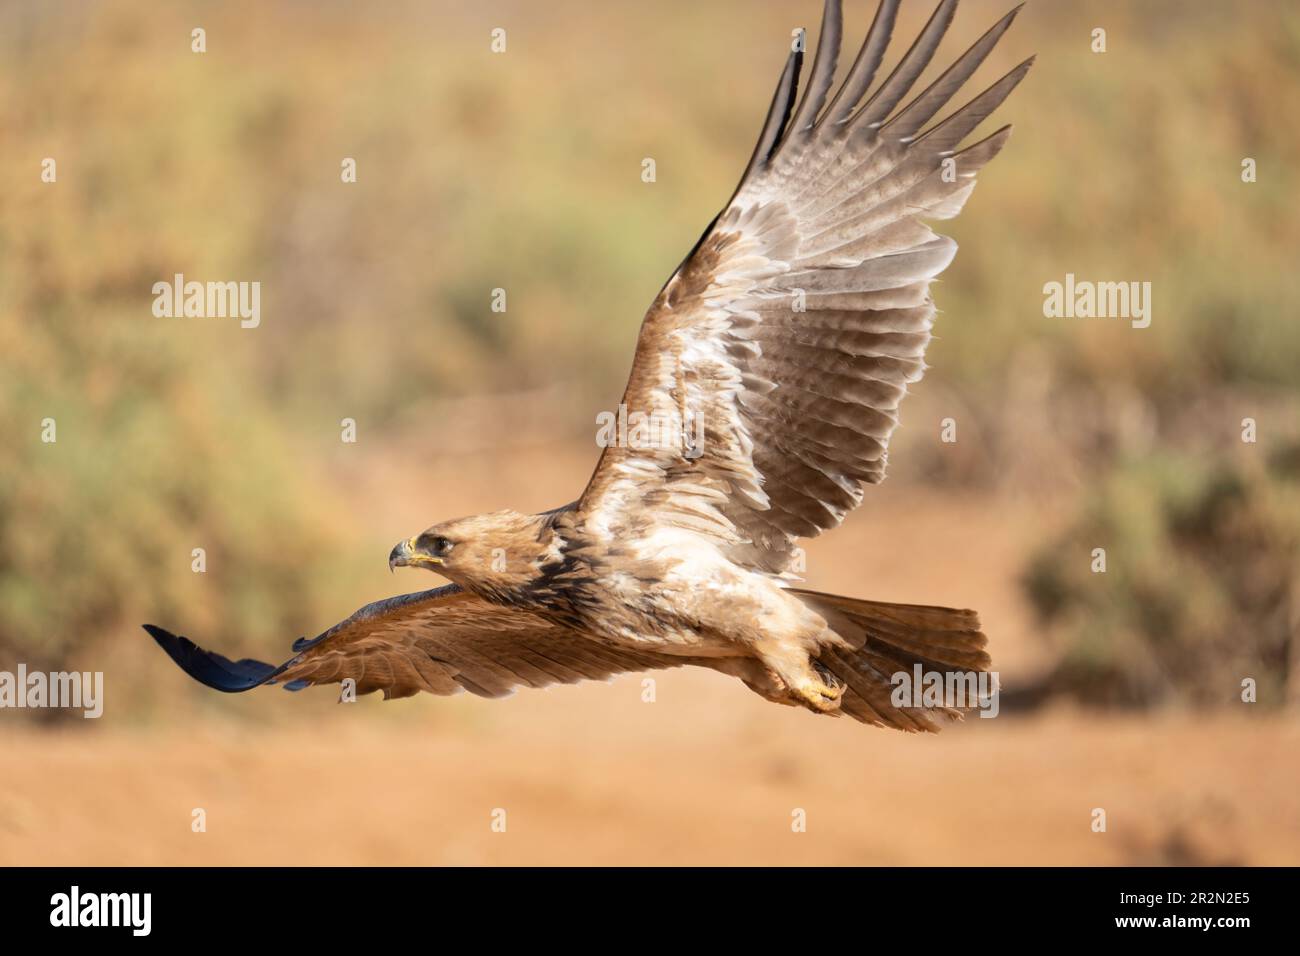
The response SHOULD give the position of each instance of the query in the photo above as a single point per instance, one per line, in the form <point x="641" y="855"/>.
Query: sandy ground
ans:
<point x="706" y="773"/>
<point x="703" y="775"/>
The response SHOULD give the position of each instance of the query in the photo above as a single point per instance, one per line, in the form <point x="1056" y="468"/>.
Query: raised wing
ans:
<point x="441" y="641"/>
<point x="770" y="368"/>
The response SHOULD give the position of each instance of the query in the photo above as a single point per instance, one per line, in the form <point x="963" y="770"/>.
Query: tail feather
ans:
<point x="889" y="639"/>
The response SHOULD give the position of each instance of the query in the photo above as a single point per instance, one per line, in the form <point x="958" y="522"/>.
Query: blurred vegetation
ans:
<point x="522" y="171"/>
<point x="1201" y="587"/>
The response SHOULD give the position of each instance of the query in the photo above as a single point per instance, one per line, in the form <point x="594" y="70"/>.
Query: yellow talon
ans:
<point x="820" y="697"/>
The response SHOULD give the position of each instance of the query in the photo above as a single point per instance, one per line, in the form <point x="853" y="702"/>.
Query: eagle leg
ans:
<point x="819" y="696"/>
<point x="806" y="682"/>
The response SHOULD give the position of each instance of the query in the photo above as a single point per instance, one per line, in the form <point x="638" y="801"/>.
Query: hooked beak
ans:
<point x="407" y="555"/>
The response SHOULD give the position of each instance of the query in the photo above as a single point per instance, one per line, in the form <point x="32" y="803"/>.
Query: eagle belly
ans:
<point x="675" y="592"/>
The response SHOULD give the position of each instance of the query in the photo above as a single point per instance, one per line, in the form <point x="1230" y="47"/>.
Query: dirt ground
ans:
<point x="707" y="773"/>
<point x="703" y="775"/>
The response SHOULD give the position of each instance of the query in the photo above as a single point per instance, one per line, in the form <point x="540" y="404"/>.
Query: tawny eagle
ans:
<point x="773" y="361"/>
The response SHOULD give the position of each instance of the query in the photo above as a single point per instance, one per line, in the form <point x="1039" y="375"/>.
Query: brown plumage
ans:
<point x="772" y="363"/>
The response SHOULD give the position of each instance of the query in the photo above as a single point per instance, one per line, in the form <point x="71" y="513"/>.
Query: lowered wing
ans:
<point x="440" y="641"/>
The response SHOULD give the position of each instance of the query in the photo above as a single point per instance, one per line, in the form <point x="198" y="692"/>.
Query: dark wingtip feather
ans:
<point x="304" y="642"/>
<point x="910" y="67"/>
<point x="210" y="669"/>
<point x="954" y="129"/>
<point x="917" y="113"/>
<point x="778" y="114"/>
<point x="822" y="74"/>
<point x="864" y="67"/>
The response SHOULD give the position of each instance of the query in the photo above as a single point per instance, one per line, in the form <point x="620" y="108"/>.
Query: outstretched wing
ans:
<point x="770" y="368"/>
<point x="440" y="641"/>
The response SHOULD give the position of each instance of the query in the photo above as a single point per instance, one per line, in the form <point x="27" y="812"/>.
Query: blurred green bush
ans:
<point x="1201" y="587"/>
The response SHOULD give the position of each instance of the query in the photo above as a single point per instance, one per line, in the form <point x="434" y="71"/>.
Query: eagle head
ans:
<point x="490" y="554"/>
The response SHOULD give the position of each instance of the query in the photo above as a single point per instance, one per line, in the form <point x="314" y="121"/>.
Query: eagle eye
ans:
<point x="434" y="544"/>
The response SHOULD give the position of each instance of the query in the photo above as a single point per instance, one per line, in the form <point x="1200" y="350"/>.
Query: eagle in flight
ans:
<point x="772" y="364"/>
